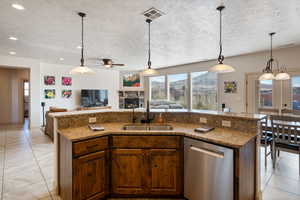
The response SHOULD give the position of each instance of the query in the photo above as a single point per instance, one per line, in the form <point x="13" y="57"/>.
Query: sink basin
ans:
<point x="148" y="127"/>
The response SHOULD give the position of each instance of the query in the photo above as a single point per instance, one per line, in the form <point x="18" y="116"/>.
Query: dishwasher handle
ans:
<point x="213" y="153"/>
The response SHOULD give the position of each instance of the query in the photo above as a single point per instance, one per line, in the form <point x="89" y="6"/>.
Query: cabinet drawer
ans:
<point x="146" y="142"/>
<point x="89" y="146"/>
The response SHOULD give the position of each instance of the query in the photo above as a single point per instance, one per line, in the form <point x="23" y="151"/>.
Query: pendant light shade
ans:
<point x="267" y="76"/>
<point x="149" y="71"/>
<point x="220" y="67"/>
<point x="82" y="69"/>
<point x="282" y="76"/>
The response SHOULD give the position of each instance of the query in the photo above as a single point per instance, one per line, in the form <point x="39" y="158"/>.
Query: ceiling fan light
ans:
<point x="150" y="72"/>
<point x="82" y="70"/>
<point x="221" y="68"/>
<point x="282" y="76"/>
<point x="107" y="66"/>
<point x="267" y="76"/>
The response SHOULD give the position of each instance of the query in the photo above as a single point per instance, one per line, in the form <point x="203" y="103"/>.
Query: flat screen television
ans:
<point x="94" y="98"/>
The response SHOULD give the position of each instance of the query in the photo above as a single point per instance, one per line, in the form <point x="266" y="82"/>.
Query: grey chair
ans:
<point x="266" y="140"/>
<point x="286" y="136"/>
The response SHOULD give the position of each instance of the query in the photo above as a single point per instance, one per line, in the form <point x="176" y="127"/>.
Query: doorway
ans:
<point x="14" y="95"/>
<point x="26" y="101"/>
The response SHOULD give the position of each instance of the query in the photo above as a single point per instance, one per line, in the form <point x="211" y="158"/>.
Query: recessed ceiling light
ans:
<point x="79" y="47"/>
<point x="13" y="38"/>
<point x="61" y="59"/>
<point x="18" y="6"/>
<point x="12" y="53"/>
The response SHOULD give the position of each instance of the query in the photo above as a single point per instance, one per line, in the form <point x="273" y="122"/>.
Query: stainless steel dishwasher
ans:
<point x="208" y="171"/>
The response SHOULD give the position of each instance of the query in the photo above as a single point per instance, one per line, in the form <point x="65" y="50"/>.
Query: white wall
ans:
<point x="103" y="79"/>
<point x="243" y="64"/>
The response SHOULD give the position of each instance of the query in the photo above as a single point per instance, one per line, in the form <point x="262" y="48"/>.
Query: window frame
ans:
<point x="259" y="96"/>
<point x="150" y="88"/>
<point x="292" y="92"/>
<point x="189" y="92"/>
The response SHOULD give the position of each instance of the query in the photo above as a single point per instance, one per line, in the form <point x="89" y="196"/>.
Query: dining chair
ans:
<point x="286" y="136"/>
<point x="266" y="140"/>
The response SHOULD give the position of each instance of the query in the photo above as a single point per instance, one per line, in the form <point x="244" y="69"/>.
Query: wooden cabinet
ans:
<point x="90" y="176"/>
<point x="153" y="171"/>
<point x="83" y="169"/>
<point x="165" y="172"/>
<point x="120" y="166"/>
<point x="128" y="171"/>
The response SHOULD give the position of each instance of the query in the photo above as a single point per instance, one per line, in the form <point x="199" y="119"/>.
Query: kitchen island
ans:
<point x="151" y="163"/>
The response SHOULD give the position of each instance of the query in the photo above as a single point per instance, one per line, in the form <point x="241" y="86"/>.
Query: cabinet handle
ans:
<point x="217" y="154"/>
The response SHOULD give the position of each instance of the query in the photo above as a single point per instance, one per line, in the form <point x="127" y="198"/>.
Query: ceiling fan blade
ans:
<point x="120" y="65"/>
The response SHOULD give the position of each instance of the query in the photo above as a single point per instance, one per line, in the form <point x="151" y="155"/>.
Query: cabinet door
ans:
<point x="90" y="176"/>
<point x="165" y="172"/>
<point x="128" y="171"/>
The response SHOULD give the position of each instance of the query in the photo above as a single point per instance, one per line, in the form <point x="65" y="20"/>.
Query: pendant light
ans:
<point x="82" y="69"/>
<point x="268" y="71"/>
<point x="282" y="75"/>
<point x="220" y="67"/>
<point x="149" y="71"/>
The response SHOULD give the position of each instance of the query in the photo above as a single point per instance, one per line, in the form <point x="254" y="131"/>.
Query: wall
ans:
<point x="17" y="100"/>
<point x="34" y="67"/>
<point x="106" y="79"/>
<point x="103" y="79"/>
<point x="243" y="64"/>
<point x="5" y="96"/>
<point x="11" y="94"/>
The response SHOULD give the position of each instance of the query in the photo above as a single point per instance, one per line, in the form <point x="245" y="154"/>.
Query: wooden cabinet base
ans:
<point x="119" y="167"/>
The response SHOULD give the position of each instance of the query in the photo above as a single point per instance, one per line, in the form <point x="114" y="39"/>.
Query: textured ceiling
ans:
<point x="50" y="29"/>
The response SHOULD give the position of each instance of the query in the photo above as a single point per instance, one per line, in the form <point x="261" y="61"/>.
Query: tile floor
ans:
<point x="26" y="168"/>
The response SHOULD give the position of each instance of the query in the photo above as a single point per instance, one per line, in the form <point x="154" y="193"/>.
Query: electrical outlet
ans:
<point x="203" y="120"/>
<point x="226" y="123"/>
<point x="92" y="119"/>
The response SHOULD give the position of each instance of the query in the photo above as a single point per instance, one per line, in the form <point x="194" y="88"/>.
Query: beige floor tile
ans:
<point x="276" y="194"/>
<point x="285" y="184"/>
<point x="29" y="192"/>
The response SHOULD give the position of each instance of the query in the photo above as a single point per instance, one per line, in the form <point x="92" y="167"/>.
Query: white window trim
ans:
<point x="189" y="88"/>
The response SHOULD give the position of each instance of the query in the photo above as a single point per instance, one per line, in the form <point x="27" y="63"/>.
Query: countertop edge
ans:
<point x="156" y="133"/>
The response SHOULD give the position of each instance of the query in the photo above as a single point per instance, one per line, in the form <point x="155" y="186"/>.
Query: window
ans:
<point x="204" y="90"/>
<point x="26" y="88"/>
<point x="178" y="84"/>
<point x="265" y="93"/>
<point x="296" y="92"/>
<point x="158" y="88"/>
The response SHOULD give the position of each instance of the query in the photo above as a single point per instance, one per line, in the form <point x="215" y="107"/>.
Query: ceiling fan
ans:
<point x="108" y="63"/>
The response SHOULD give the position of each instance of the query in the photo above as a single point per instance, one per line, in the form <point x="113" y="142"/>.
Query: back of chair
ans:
<point x="263" y="127"/>
<point x="286" y="129"/>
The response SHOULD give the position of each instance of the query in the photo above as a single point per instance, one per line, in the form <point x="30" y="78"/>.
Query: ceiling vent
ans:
<point x="153" y="13"/>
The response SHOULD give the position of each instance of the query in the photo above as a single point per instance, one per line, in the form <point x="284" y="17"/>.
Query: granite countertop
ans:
<point x="248" y="116"/>
<point x="225" y="137"/>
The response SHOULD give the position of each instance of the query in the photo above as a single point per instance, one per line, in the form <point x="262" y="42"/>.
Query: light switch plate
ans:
<point x="226" y="123"/>
<point x="203" y="120"/>
<point x="92" y="119"/>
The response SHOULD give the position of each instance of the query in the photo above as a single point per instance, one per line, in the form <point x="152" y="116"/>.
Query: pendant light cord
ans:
<point x="269" y="67"/>
<point x="149" y="43"/>
<point x="221" y="57"/>
<point x="82" y="15"/>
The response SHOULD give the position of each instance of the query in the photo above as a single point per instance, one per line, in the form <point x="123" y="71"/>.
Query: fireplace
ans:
<point x="130" y="102"/>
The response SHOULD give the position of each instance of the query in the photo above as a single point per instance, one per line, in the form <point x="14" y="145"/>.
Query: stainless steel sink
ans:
<point x="147" y="127"/>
